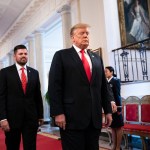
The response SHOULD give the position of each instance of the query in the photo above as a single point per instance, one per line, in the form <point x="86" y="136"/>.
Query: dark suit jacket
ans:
<point x="71" y="93"/>
<point x="15" y="106"/>
<point x="115" y="86"/>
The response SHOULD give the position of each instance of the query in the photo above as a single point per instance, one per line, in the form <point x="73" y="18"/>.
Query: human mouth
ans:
<point x="24" y="59"/>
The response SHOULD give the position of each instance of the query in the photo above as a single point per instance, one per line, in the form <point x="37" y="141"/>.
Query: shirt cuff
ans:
<point x="3" y="120"/>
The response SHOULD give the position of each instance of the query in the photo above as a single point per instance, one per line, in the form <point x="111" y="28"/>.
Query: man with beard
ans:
<point x="21" y="107"/>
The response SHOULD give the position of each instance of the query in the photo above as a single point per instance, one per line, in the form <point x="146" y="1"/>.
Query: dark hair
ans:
<point x="19" y="47"/>
<point x="111" y="69"/>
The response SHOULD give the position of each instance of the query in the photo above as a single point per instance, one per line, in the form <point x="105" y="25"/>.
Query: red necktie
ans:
<point x="23" y="80"/>
<point x="86" y="65"/>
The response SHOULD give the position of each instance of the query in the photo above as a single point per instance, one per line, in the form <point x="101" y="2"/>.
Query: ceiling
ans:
<point x="10" y="10"/>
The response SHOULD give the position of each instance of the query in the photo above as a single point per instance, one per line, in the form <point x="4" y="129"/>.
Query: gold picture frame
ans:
<point x="98" y="51"/>
<point x="128" y="11"/>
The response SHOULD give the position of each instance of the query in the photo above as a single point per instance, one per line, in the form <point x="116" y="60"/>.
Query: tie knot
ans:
<point x="22" y="68"/>
<point x="82" y="51"/>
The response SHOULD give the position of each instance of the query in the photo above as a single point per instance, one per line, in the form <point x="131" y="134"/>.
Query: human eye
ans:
<point x="84" y="33"/>
<point x="26" y="53"/>
<point x="87" y="33"/>
<point x="81" y="33"/>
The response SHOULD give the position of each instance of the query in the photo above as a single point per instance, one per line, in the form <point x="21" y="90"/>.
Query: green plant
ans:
<point x="47" y="98"/>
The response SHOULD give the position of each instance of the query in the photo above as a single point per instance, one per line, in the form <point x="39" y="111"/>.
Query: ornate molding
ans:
<point x="64" y="8"/>
<point x="39" y="31"/>
<point x="22" y="27"/>
<point x="30" y="37"/>
<point x="28" y="12"/>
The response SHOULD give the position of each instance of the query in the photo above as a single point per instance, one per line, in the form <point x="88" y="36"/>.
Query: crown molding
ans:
<point x="23" y="18"/>
<point x="22" y="27"/>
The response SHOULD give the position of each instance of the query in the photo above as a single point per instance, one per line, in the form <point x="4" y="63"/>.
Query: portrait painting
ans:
<point x="134" y="20"/>
<point x="98" y="51"/>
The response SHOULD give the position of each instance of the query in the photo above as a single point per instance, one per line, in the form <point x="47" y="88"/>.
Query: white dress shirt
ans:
<point x="85" y="54"/>
<point x="20" y="71"/>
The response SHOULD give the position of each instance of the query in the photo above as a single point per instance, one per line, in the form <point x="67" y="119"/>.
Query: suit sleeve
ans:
<point x="110" y="93"/>
<point x="106" y="94"/>
<point x="39" y="98"/>
<point x="3" y="86"/>
<point x="55" y="87"/>
<point x="116" y="91"/>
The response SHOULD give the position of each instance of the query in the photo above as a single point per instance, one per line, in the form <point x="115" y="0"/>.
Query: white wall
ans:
<point x="112" y="28"/>
<point x="139" y="89"/>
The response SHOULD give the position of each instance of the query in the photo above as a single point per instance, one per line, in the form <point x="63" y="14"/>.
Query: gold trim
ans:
<point x="50" y="135"/>
<point x="98" y="51"/>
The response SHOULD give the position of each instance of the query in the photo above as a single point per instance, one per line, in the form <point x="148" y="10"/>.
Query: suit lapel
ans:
<point x="29" y="75"/>
<point x="92" y="57"/>
<point x="78" y="61"/>
<point x="14" y="73"/>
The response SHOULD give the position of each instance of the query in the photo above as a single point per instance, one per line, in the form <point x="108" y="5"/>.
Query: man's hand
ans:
<point x="5" y="125"/>
<point x="60" y="121"/>
<point x="108" y="120"/>
<point x="113" y="106"/>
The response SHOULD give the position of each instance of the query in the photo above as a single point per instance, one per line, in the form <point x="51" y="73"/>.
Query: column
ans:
<point x="31" y="53"/>
<point x="6" y="62"/>
<point x="10" y="58"/>
<point x="2" y="64"/>
<point x="40" y="67"/>
<point x="66" y="24"/>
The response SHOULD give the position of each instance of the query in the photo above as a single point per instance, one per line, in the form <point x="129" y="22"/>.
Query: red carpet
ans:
<point x="2" y="140"/>
<point x="43" y="143"/>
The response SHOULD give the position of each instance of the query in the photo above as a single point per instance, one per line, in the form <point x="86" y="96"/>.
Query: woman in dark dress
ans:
<point x="117" y="122"/>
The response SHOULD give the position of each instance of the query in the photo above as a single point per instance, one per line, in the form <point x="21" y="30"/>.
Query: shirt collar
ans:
<point x="109" y="79"/>
<point x="78" y="49"/>
<point x="19" y="67"/>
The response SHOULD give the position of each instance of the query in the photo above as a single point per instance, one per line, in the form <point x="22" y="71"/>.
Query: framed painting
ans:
<point x="98" y="51"/>
<point x="134" y="20"/>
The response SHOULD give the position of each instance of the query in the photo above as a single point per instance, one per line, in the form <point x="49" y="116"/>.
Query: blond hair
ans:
<point x="79" y="25"/>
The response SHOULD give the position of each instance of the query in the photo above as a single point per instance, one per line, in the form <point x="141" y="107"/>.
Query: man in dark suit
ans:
<point x="78" y="94"/>
<point x="21" y="107"/>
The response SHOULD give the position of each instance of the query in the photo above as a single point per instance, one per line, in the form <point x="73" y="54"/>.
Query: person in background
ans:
<point x="117" y="122"/>
<point x="21" y="107"/>
<point x="78" y="91"/>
